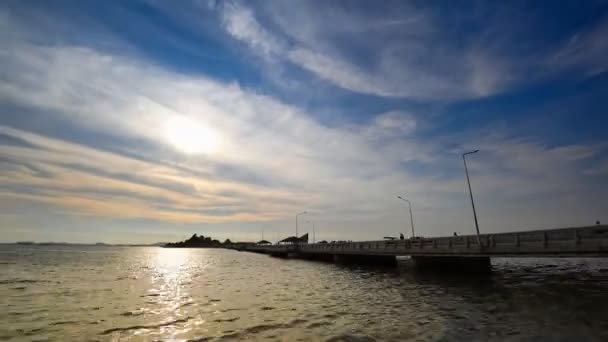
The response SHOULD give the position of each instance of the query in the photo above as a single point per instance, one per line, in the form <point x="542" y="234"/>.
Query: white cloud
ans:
<point x="240" y="22"/>
<point x="274" y="158"/>
<point x="402" y="64"/>
<point x="586" y="50"/>
<point x="396" y="122"/>
<point x="340" y="73"/>
<point x="405" y="51"/>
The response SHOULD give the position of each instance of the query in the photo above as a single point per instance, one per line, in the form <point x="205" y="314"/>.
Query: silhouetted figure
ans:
<point x="597" y="222"/>
<point x="401" y="237"/>
<point x="455" y="234"/>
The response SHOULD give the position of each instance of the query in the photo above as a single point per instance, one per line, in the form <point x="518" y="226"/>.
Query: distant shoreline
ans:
<point x="99" y="244"/>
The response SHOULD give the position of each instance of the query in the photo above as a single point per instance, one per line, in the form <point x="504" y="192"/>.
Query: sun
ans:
<point x="191" y="137"/>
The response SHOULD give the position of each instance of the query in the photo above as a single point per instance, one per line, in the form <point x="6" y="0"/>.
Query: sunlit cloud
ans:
<point x="106" y="134"/>
<point x="191" y="137"/>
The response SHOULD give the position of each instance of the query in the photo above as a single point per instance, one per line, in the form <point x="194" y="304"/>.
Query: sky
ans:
<point x="141" y="121"/>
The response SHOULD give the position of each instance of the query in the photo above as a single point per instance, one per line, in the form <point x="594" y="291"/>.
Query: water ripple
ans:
<point x="148" y="326"/>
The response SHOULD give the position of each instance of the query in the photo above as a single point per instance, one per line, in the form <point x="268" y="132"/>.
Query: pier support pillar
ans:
<point x="455" y="264"/>
<point x="366" y="259"/>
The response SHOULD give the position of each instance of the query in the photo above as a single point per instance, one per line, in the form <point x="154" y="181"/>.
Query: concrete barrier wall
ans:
<point x="586" y="241"/>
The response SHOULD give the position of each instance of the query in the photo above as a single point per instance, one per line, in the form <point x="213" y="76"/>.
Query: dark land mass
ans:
<point x="199" y="241"/>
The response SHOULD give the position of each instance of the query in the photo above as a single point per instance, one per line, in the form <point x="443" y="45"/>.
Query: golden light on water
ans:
<point x="168" y="290"/>
<point x="171" y="262"/>
<point x="190" y="136"/>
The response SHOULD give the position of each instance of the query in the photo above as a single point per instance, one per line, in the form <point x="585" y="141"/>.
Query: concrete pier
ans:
<point x="467" y="253"/>
<point x="455" y="264"/>
<point x="317" y="257"/>
<point x="386" y="260"/>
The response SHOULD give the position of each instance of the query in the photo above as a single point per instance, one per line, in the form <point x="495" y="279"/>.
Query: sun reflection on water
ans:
<point x="171" y="262"/>
<point x="170" y="283"/>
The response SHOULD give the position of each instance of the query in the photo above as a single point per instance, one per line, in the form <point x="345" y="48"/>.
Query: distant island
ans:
<point x="199" y="241"/>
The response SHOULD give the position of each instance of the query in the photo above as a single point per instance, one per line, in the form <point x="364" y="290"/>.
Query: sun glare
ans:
<point x="191" y="137"/>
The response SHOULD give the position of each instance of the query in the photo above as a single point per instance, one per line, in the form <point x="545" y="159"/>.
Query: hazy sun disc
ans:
<point x="190" y="136"/>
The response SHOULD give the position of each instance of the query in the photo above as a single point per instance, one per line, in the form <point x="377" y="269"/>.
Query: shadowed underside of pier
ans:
<point x="468" y="250"/>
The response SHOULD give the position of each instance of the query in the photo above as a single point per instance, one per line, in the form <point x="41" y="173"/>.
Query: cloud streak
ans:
<point x="403" y="51"/>
<point x="397" y="69"/>
<point x="95" y="140"/>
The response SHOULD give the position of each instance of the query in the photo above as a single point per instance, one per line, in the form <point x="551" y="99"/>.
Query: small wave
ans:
<point x="23" y="281"/>
<point x="317" y="325"/>
<point x="242" y="335"/>
<point x="350" y="338"/>
<point x="151" y="295"/>
<point x="29" y="312"/>
<point x="264" y="327"/>
<point x="137" y="312"/>
<point x="30" y="332"/>
<point x="266" y="308"/>
<point x="63" y="323"/>
<point x="330" y="316"/>
<point x="220" y="320"/>
<point x="185" y="304"/>
<point x="151" y="326"/>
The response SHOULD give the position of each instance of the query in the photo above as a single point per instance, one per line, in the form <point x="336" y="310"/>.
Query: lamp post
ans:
<point x="466" y="171"/>
<point x="304" y="212"/>
<point x="411" y="215"/>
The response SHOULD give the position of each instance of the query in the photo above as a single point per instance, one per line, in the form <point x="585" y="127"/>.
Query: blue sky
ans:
<point x="145" y="121"/>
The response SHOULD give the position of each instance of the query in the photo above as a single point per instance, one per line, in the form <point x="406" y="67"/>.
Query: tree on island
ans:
<point x="197" y="241"/>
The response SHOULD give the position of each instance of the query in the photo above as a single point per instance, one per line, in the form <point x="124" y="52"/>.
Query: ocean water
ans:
<point x="55" y="293"/>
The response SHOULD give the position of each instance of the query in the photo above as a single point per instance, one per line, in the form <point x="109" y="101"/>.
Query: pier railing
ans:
<point x="581" y="241"/>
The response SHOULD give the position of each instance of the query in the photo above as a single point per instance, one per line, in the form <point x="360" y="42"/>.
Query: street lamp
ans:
<point x="411" y="215"/>
<point x="466" y="171"/>
<point x="304" y="212"/>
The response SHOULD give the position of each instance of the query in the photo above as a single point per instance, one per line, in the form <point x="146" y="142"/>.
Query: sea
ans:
<point x="100" y="293"/>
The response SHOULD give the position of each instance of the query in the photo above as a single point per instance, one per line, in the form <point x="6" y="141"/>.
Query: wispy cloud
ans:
<point x="241" y="23"/>
<point x="95" y="141"/>
<point x="100" y="183"/>
<point x="397" y="68"/>
<point x="405" y="51"/>
<point x="585" y="51"/>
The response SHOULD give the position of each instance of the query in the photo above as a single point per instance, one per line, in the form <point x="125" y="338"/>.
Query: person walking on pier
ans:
<point x="401" y="237"/>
